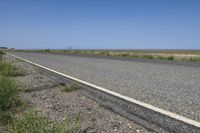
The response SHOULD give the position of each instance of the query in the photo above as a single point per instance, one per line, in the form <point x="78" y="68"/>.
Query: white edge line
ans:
<point x="151" y="107"/>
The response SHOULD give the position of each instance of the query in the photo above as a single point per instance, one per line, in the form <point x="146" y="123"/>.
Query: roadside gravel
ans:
<point x="168" y="86"/>
<point x="44" y="93"/>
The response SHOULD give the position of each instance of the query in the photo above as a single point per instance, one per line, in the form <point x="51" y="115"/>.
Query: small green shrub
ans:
<point x="8" y="93"/>
<point x="125" y="55"/>
<point x="32" y="122"/>
<point x="170" y="58"/>
<point x="71" y="87"/>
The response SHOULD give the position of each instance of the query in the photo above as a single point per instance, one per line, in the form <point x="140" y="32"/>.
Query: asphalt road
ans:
<point x="169" y="86"/>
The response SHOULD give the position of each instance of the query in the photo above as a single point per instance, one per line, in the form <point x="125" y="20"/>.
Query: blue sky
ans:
<point x="100" y="24"/>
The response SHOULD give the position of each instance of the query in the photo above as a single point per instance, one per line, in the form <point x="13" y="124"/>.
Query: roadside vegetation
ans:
<point x="177" y="55"/>
<point x="8" y="93"/>
<point x="9" y="70"/>
<point x="32" y="122"/>
<point x="9" y="100"/>
<point x="13" y="114"/>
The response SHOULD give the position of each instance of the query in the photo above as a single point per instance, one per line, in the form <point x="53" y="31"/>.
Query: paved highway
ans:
<point x="170" y="86"/>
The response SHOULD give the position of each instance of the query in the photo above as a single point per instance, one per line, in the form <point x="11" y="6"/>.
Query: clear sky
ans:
<point x="100" y="24"/>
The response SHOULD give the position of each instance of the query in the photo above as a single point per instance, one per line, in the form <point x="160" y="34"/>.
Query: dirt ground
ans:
<point x="45" y="94"/>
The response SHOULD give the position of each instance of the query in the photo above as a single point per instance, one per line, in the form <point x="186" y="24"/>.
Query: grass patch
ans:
<point x="71" y="87"/>
<point x="8" y="93"/>
<point x="8" y="99"/>
<point x="32" y="122"/>
<point x="7" y="69"/>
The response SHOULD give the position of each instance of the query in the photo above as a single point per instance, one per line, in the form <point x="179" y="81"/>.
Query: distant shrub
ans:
<point x="47" y="50"/>
<point x="124" y="54"/>
<point x="170" y="58"/>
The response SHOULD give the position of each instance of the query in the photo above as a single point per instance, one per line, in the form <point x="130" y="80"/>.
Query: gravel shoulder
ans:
<point x="44" y="93"/>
